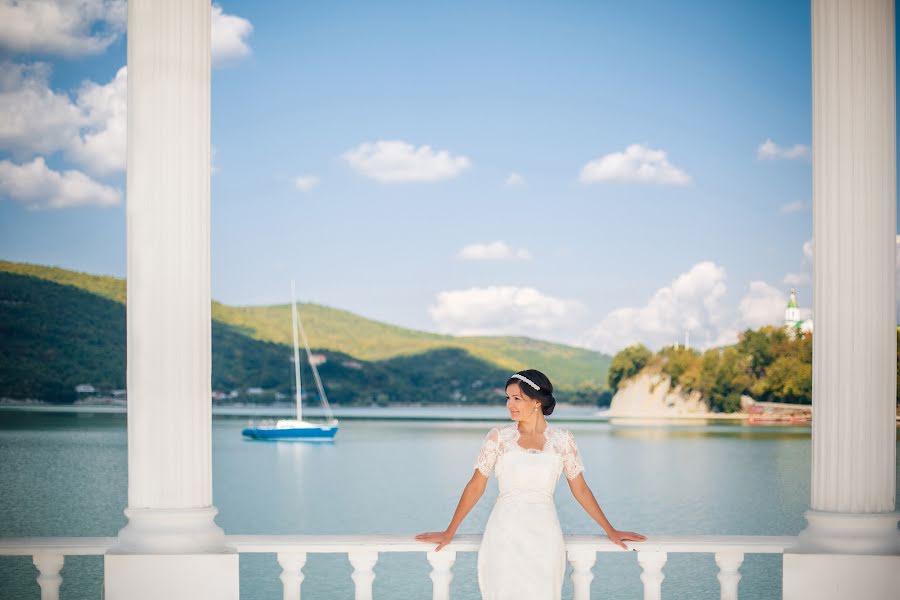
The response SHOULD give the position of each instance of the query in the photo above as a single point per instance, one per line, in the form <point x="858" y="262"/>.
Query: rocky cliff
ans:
<point x="651" y="394"/>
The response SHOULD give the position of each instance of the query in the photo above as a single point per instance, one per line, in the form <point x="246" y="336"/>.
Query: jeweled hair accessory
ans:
<point x="528" y="381"/>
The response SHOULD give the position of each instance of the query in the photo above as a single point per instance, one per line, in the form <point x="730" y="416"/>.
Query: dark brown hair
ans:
<point x="544" y="394"/>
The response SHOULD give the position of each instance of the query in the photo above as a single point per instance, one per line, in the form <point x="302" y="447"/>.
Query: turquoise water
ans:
<point x="65" y="475"/>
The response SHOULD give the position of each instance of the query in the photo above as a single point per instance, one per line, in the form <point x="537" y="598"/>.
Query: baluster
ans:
<point x="49" y="566"/>
<point x="441" y="574"/>
<point x="291" y="573"/>
<point x="729" y="576"/>
<point x="651" y="565"/>
<point x="582" y="562"/>
<point x="363" y="562"/>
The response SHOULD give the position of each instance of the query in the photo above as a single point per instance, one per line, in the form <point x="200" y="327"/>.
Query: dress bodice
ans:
<point x="526" y="470"/>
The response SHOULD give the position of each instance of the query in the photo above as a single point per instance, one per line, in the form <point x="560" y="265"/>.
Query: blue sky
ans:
<point x="596" y="173"/>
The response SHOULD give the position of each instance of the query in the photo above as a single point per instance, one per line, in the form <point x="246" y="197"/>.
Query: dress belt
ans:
<point x="526" y="496"/>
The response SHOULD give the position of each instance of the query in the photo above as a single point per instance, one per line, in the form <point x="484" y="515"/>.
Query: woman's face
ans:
<point x="519" y="405"/>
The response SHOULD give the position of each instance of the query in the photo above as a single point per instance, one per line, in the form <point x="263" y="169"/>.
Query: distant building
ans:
<point x="352" y="364"/>
<point x="792" y="320"/>
<point x="84" y="388"/>
<point x="317" y="359"/>
<point x="254" y="391"/>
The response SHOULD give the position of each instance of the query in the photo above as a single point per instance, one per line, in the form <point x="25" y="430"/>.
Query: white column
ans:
<point x="582" y="562"/>
<point x="168" y="306"/>
<point x="441" y="573"/>
<point x="729" y="576"/>
<point x="851" y="540"/>
<point x="652" y="564"/>
<point x="854" y="233"/>
<point x="171" y="547"/>
<point x="49" y="579"/>
<point x="363" y="575"/>
<point x="291" y="573"/>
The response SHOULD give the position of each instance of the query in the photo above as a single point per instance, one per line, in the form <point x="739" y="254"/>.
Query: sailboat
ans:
<point x="298" y="429"/>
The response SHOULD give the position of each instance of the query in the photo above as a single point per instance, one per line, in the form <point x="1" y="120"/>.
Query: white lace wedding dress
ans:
<point x="522" y="554"/>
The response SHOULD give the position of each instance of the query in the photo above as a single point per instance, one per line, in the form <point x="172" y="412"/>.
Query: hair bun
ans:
<point x="548" y="405"/>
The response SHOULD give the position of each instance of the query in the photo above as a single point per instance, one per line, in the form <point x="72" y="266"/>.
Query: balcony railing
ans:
<point x="48" y="555"/>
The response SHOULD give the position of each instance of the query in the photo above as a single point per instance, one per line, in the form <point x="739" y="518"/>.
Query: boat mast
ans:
<point x="325" y="406"/>
<point x="296" y="351"/>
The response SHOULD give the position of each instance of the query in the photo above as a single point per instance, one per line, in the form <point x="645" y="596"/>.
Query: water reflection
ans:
<point x="740" y="433"/>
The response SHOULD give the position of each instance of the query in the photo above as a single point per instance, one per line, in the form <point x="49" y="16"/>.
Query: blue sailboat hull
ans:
<point x="312" y="434"/>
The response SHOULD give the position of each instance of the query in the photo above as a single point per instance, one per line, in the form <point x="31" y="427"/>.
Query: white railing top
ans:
<point x="69" y="546"/>
<point x="749" y="544"/>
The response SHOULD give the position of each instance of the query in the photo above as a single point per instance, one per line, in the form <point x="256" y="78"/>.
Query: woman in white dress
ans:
<point x="522" y="553"/>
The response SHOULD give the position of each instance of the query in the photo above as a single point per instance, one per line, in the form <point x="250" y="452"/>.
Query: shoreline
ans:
<point x="414" y="412"/>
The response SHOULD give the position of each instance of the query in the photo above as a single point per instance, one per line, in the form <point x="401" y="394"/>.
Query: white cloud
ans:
<point x="37" y="120"/>
<point x="82" y="27"/>
<point x="101" y="145"/>
<point x="808" y="251"/>
<point x="64" y="27"/>
<point x="797" y="279"/>
<point x="514" y="180"/>
<point x="38" y="187"/>
<point x="503" y="310"/>
<point x="229" y="36"/>
<point x="637" y="164"/>
<point x="90" y="129"/>
<point x="769" y="150"/>
<point x="792" y="207"/>
<point x="493" y="251"/>
<point x="34" y="118"/>
<point x="762" y="305"/>
<point x="396" y="161"/>
<point x="690" y="303"/>
<point x="304" y="183"/>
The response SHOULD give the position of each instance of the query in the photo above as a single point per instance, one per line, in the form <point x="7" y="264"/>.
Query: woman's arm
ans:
<point x="470" y="496"/>
<point x="585" y="497"/>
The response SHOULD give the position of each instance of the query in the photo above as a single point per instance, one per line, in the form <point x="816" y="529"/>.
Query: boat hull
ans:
<point x="310" y="434"/>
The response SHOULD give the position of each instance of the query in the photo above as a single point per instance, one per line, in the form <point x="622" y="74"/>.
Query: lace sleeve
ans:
<point x="490" y="450"/>
<point x="572" y="464"/>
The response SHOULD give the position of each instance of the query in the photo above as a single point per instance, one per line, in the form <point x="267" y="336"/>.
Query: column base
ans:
<point x="849" y="533"/>
<point x="171" y="531"/>
<point x="840" y="576"/>
<point x="171" y="576"/>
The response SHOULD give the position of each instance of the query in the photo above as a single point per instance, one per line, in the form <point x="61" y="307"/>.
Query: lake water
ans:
<point x="65" y="475"/>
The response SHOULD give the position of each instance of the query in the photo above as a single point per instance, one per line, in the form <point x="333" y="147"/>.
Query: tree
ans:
<point x="680" y="364"/>
<point x="763" y="347"/>
<point x="788" y="379"/>
<point x="627" y="363"/>
<point x="724" y="377"/>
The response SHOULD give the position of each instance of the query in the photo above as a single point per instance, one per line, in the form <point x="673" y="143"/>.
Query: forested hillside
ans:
<point x="63" y="329"/>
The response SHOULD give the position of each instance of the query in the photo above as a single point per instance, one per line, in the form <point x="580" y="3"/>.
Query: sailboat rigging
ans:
<point x="298" y="429"/>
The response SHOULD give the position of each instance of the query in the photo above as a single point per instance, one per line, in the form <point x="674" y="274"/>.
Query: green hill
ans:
<point x="57" y="336"/>
<point x="346" y="334"/>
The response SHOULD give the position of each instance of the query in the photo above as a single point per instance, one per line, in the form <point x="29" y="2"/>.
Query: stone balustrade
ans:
<point x="363" y="551"/>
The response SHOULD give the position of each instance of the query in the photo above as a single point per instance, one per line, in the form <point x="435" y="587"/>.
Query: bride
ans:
<point x="522" y="554"/>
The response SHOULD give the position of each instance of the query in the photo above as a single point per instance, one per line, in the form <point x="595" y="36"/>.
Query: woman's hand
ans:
<point x="441" y="538"/>
<point x="618" y="537"/>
